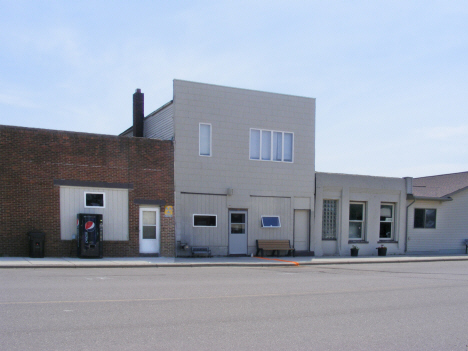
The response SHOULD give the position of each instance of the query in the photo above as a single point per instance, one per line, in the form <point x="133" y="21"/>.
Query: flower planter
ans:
<point x="382" y="251"/>
<point x="354" y="252"/>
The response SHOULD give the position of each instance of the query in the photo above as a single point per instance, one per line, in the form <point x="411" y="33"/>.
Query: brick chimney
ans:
<point x="138" y="113"/>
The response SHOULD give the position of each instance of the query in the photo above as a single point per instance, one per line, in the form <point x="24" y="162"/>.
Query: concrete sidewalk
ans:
<point x="132" y="262"/>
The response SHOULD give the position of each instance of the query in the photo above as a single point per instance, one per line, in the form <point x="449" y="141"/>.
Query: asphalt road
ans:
<point x="402" y="306"/>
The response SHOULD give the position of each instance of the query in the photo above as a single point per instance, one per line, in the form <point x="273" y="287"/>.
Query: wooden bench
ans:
<point x="201" y="250"/>
<point x="274" y="245"/>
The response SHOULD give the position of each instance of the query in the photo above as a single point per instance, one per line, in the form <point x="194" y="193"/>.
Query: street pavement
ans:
<point x="353" y="307"/>
<point x="130" y="262"/>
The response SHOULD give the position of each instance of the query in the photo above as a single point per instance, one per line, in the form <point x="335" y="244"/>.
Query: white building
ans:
<point x="438" y="214"/>
<point x="364" y="211"/>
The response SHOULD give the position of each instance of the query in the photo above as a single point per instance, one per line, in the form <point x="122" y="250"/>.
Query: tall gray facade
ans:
<point x="243" y="166"/>
<point x="240" y="155"/>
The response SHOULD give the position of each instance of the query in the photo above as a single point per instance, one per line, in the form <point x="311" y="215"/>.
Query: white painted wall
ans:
<point x="451" y="226"/>
<point x="373" y="191"/>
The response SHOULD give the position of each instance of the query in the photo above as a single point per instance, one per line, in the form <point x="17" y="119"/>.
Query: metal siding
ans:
<point x="301" y="229"/>
<point x="216" y="238"/>
<point x="232" y="112"/>
<point x="115" y="213"/>
<point x="160" y="125"/>
<point x="265" y="206"/>
<point x="451" y="226"/>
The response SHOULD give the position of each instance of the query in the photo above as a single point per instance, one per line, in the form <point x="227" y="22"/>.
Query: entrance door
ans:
<point x="301" y="230"/>
<point x="149" y="230"/>
<point x="238" y="232"/>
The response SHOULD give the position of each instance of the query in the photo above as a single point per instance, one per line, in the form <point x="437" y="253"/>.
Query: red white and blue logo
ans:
<point x="89" y="226"/>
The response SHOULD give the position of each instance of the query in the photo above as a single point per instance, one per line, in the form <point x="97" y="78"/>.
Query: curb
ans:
<point x="342" y="261"/>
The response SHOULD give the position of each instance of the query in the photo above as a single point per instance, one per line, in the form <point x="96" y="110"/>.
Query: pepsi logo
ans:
<point x="89" y="226"/>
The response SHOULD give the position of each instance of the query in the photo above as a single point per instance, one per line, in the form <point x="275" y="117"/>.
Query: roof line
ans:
<point x="428" y="198"/>
<point x="149" y="115"/>
<point x="439" y="175"/>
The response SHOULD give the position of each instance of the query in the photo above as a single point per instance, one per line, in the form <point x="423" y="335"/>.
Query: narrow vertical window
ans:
<point x="277" y="146"/>
<point x="255" y="144"/>
<point x="205" y="139"/>
<point x="386" y="221"/>
<point x="330" y="208"/>
<point x="288" y="147"/>
<point x="266" y="145"/>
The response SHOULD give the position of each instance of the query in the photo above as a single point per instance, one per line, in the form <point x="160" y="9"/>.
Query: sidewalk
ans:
<point x="132" y="262"/>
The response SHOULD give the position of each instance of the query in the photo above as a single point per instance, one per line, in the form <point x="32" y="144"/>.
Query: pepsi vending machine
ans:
<point x="89" y="230"/>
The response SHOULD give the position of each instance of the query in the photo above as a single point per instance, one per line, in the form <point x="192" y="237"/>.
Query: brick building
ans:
<point x="45" y="173"/>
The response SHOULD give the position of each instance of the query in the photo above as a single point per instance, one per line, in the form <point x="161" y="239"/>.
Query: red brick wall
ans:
<point x="30" y="160"/>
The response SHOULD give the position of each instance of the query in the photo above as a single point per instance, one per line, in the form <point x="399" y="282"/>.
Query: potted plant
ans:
<point x="382" y="250"/>
<point x="354" y="250"/>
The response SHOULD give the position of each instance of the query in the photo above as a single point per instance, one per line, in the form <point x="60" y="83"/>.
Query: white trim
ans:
<point x="392" y="221"/>
<point x="271" y="145"/>
<point x="199" y="139"/>
<point x="271" y="226"/>
<point x="204" y="226"/>
<point x="363" y="229"/>
<point x="149" y="245"/>
<point x="95" y="192"/>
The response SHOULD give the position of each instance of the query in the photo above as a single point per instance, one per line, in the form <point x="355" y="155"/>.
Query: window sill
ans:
<point x="357" y="242"/>
<point x="387" y="242"/>
<point x="328" y="239"/>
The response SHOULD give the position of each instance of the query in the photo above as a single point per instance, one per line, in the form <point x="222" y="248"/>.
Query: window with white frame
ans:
<point x="205" y="139"/>
<point x="387" y="218"/>
<point x="425" y="218"/>
<point x="357" y="220"/>
<point x="269" y="145"/>
<point x="204" y="220"/>
<point x="330" y="208"/>
<point x="94" y="199"/>
<point x="271" y="222"/>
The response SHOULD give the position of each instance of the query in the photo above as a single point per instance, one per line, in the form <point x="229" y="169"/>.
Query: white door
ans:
<point x="301" y="230"/>
<point x="238" y="232"/>
<point x="149" y="230"/>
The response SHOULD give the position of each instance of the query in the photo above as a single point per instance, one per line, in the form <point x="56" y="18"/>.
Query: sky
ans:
<point x="390" y="78"/>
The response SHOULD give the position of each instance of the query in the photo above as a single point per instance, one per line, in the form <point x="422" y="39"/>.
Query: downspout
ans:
<point x="406" y="226"/>
<point x="409" y="195"/>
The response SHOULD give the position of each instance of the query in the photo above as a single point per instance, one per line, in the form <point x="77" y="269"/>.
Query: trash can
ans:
<point x="36" y="244"/>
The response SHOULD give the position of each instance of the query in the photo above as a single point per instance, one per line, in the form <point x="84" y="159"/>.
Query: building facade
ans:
<point x="47" y="177"/>
<point x="438" y="214"/>
<point x="216" y="167"/>
<point x="243" y="166"/>
<point x="362" y="211"/>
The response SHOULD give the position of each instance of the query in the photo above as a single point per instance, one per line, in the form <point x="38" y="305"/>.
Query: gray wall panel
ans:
<point x="265" y="206"/>
<point x="115" y="213"/>
<point x="217" y="237"/>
